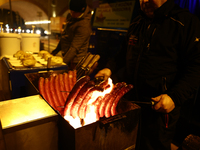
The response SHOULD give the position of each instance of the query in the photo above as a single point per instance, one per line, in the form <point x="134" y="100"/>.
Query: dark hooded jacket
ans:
<point x="161" y="55"/>
<point x="75" y="38"/>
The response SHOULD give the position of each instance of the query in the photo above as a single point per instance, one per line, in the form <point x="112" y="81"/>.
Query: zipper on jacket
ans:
<point x="148" y="46"/>
<point x="153" y="32"/>
<point x="148" y="26"/>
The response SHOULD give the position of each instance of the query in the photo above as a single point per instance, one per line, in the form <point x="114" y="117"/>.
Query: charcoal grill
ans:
<point x="114" y="133"/>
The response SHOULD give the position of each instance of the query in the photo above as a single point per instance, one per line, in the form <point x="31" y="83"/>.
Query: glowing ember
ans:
<point x="91" y="115"/>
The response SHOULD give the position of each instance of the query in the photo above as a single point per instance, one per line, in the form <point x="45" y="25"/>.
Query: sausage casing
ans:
<point x="72" y="95"/>
<point x="79" y="98"/>
<point x="41" y="87"/>
<point x="120" y="93"/>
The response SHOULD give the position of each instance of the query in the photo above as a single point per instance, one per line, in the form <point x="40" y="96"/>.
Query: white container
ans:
<point x="9" y="43"/>
<point x="30" y="42"/>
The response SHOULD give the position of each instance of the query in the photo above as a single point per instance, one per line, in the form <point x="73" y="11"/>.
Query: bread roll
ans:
<point x="47" y="55"/>
<point x="56" y="60"/>
<point x="29" y="62"/>
<point x="18" y="54"/>
<point x="26" y="56"/>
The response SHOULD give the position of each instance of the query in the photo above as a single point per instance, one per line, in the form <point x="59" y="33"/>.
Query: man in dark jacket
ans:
<point x="161" y="58"/>
<point x="75" y="38"/>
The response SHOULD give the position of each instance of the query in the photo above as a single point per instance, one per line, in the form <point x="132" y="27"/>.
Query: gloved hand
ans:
<point x="54" y="52"/>
<point x="164" y="104"/>
<point x="106" y="73"/>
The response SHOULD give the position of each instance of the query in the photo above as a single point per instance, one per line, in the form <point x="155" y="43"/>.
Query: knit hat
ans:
<point x="77" y="5"/>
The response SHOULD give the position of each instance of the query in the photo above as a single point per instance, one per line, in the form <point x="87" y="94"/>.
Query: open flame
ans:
<point x="91" y="115"/>
<point x="74" y="122"/>
<point x="96" y="94"/>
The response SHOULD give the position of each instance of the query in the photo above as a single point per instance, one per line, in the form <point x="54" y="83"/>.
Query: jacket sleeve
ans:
<point x="80" y="36"/>
<point x="189" y="80"/>
<point x="58" y="48"/>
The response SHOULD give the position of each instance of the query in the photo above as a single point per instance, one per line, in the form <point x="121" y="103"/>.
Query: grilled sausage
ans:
<point x="96" y="105"/>
<point x="107" y="97"/>
<point x="62" y="87"/>
<point x="108" y="106"/>
<point x="66" y="84"/>
<point x="79" y="98"/>
<point x="74" y="77"/>
<point x="70" y="99"/>
<point x="53" y="91"/>
<point x="58" y="91"/>
<point x="103" y="103"/>
<point x="120" y="93"/>
<point x="70" y="76"/>
<point x="82" y="108"/>
<point x="48" y="93"/>
<point x="41" y="87"/>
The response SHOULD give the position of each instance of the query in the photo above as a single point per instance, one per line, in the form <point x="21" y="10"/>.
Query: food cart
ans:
<point x="14" y="81"/>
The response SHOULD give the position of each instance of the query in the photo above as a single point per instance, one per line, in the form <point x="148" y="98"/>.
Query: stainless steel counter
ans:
<point x="29" y="123"/>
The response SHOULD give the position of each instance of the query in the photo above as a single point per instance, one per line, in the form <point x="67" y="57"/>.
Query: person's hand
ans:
<point x="54" y="52"/>
<point x="164" y="103"/>
<point x="106" y="73"/>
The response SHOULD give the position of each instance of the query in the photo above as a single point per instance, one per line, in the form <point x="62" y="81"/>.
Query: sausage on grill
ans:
<point x="58" y="91"/>
<point x="107" y="98"/>
<point x="74" y="77"/>
<point x="53" y="91"/>
<point x="70" y="76"/>
<point x="114" y="93"/>
<point x="66" y="84"/>
<point x="96" y="107"/>
<point x="41" y="87"/>
<point x="79" y="98"/>
<point x="48" y="93"/>
<point x="62" y="87"/>
<point x="70" y="99"/>
<point x="82" y="108"/>
<point x="120" y="93"/>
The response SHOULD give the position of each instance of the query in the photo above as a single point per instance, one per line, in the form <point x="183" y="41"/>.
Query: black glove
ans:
<point x="54" y="52"/>
<point x="58" y="48"/>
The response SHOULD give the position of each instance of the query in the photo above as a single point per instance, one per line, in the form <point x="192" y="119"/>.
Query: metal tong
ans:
<point x="87" y="65"/>
<point x="147" y="102"/>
